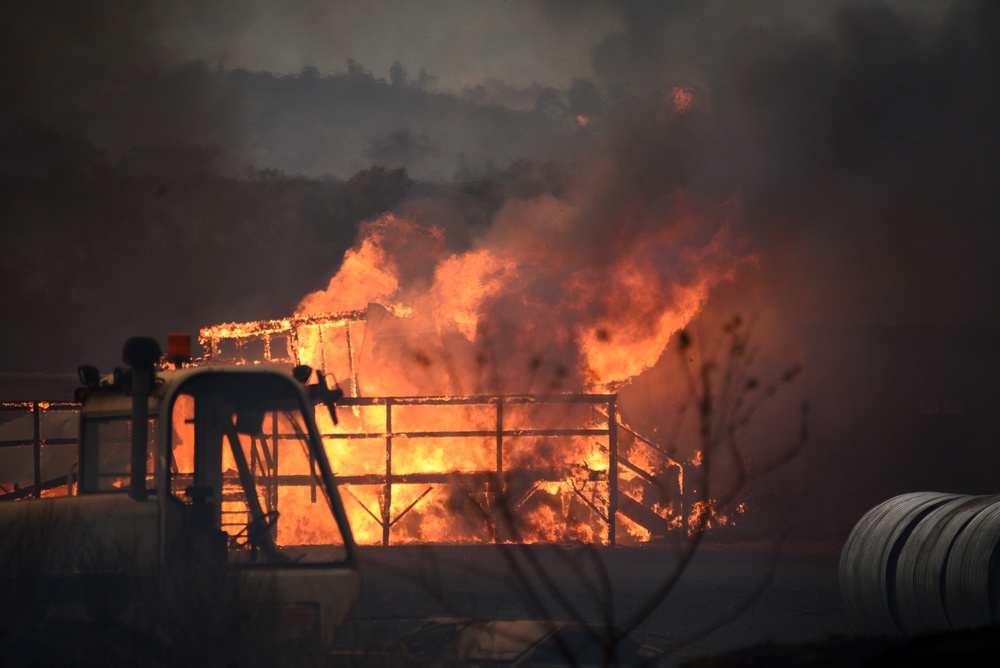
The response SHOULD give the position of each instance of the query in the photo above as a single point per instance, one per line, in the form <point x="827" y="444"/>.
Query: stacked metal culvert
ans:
<point x="924" y="562"/>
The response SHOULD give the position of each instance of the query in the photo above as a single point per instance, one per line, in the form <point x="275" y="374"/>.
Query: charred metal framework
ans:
<point x="263" y="461"/>
<point x="632" y="490"/>
<point x="496" y="475"/>
<point x="277" y="341"/>
<point x="36" y="409"/>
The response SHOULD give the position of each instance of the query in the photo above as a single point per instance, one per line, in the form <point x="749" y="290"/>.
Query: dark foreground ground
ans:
<point x="734" y="605"/>
<point x="729" y="597"/>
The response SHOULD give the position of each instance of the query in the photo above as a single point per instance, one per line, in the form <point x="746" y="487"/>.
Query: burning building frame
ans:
<point x="472" y="467"/>
<point x="434" y="468"/>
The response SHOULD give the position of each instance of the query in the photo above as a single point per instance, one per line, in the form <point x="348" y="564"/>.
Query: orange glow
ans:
<point x="462" y="284"/>
<point x="704" y="515"/>
<point x="179" y="348"/>
<point x="450" y="506"/>
<point x="683" y="99"/>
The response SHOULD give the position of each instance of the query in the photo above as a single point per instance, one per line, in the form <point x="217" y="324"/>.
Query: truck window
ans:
<point x="107" y="449"/>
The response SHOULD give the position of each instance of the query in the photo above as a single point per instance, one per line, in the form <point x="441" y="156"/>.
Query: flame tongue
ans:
<point x="554" y="310"/>
<point x="464" y="284"/>
<point x="390" y="256"/>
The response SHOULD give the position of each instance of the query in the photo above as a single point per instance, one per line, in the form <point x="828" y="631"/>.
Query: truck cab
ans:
<point x="211" y="469"/>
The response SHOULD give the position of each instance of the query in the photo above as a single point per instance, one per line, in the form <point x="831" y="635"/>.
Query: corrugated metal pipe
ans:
<point x="924" y="562"/>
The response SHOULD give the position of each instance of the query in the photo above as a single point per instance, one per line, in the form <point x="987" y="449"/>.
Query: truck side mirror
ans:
<point x="320" y="392"/>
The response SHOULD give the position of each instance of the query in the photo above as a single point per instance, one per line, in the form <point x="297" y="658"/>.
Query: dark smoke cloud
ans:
<point x="106" y="73"/>
<point x="868" y="148"/>
<point x="863" y="156"/>
<point x="89" y="261"/>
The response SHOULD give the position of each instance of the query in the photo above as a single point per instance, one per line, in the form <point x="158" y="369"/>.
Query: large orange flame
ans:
<point x="555" y="297"/>
<point x="547" y="310"/>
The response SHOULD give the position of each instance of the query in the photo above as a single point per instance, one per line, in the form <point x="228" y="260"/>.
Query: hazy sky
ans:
<point x="460" y="43"/>
<point x="463" y="44"/>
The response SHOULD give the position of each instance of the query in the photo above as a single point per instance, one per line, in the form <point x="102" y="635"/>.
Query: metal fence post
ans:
<point x="388" y="473"/>
<point x="500" y="441"/>
<point x="36" y="443"/>
<point x="612" y="469"/>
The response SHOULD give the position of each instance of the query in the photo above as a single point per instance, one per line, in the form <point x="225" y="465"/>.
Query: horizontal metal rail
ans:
<point x="44" y="405"/>
<point x="43" y="441"/>
<point x="465" y="434"/>
<point x="482" y="399"/>
<point x="439" y="477"/>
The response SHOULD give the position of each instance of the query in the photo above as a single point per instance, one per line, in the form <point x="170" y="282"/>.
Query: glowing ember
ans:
<point x="683" y="99"/>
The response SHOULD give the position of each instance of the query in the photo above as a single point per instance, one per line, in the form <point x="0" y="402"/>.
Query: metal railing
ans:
<point x="36" y="409"/>
<point x="506" y="426"/>
<point x="604" y="411"/>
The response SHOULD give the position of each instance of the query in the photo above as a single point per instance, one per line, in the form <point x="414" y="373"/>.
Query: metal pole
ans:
<point x="273" y="487"/>
<point x="36" y="444"/>
<point x="350" y="361"/>
<point x="499" y="484"/>
<point x="322" y="349"/>
<point x="254" y="458"/>
<point x="387" y="502"/>
<point x="612" y="468"/>
<point x="499" y="443"/>
<point x="141" y="354"/>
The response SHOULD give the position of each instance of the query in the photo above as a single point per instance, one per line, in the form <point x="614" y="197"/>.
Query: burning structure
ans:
<point x="530" y="467"/>
<point x="482" y="382"/>
<point x="482" y="376"/>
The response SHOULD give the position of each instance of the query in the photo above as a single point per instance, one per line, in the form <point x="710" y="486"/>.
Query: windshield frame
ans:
<point x="177" y="386"/>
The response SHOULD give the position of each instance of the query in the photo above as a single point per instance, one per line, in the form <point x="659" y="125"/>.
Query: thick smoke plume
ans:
<point x="863" y="154"/>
